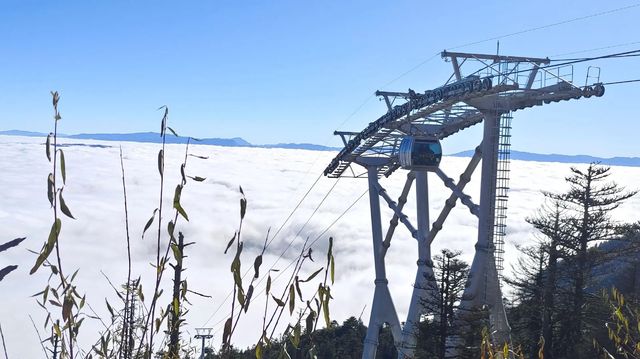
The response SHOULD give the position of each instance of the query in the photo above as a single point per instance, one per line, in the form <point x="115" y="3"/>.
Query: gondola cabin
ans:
<point x="420" y="154"/>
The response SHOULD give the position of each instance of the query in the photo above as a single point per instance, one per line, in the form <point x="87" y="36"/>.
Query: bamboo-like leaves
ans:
<point x="313" y="275"/>
<point x="248" y="297"/>
<point x="297" y="283"/>
<point x="332" y="270"/>
<point x="109" y="307"/>
<point x="256" y="266"/>
<point x="295" y="338"/>
<point x="66" y="307"/>
<point x="48" y="146"/>
<point x="172" y="131"/>
<point x="63" y="167"/>
<point x="163" y="124"/>
<point x="230" y="243"/>
<point x="325" y="307"/>
<point x="268" y="289"/>
<point x="243" y="204"/>
<point x="6" y="270"/>
<point x="171" y="229"/>
<point x="177" y="254"/>
<point x="330" y="260"/>
<point x="278" y="301"/>
<point x="161" y="162"/>
<point x="63" y="206"/>
<point x="292" y="299"/>
<point x="11" y="243"/>
<point x="140" y="294"/>
<point x="198" y="156"/>
<point x="55" y="97"/>
<point x="227" y="330"/>
<point x="50" y="188"/>
<point x="176" y="202"/>
<point x="176" y="307"/>
<point x="49" y="245"/>
<point x="235" y="265"/>
<point x="149" y="222"/>
<point x="310" y="321"/>
<point x="56" y="330"/>
<point x="197" y="178"/>
<point x="237" y="276"/>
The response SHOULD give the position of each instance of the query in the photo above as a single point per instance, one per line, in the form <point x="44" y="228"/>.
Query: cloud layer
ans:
<point x="274" y="180"/>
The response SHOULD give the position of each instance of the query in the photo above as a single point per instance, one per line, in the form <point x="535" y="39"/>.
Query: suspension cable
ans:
<point x="336" y="220"/>
<point x="267" y="245"/>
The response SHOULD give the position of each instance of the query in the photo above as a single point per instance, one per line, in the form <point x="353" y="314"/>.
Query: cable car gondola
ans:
<point x="420" y="154"/>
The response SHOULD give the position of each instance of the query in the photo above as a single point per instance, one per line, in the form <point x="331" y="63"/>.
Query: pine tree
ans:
<point x="590" y="201"/>
<point x="549" y="221"/>
<point x="450" y="273"/>
<point x="528" y="283"/>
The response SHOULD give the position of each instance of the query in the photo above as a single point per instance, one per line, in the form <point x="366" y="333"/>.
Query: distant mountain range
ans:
<point x="528" y="156"/>
<point x="154" y="137"/>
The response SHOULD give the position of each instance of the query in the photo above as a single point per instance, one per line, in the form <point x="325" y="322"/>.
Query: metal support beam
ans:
<point x="344" y="134"/>
<point x="394" y="221"/>
<point x="483" y="286"/>
<point x="464" y="198"/>
<point x="425" y="288"/>
<point x="496" y="58"/>
<point x="397" y="213"/>
<point x="405" y="95"/>
<point x="382" y="309"/>
<point x="532" y="77"/>
<point x="465" y="177"/>
<point x="456" y="68"/>
<point x="386" y="100"/>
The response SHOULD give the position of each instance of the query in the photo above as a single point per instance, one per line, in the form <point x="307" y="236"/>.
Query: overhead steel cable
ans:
<point x="324" y="231"/>
<point x="586" y="59"/>
<point x="267" y="245"/>
<point x="621" y="82"/>
<point x="310" y="245"/>
<point x="288" y="245"/>
<point x="457" y="47"/>
<point x="595" y="49"/>
<point x="295" y="209"/>
<point x="563" y="22"/>
<point x="303" y="226"/>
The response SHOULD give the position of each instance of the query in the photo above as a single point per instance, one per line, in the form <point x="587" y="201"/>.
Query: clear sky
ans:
<point x="294" y="71"/>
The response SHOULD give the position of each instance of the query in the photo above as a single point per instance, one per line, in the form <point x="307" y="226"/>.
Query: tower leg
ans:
<point x="483" y="287"/>
<point x="382" y="310"/>
<point x="425" y="288"/>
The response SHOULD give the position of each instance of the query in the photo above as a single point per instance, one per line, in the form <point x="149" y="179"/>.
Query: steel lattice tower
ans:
<point x="495" y="87"/>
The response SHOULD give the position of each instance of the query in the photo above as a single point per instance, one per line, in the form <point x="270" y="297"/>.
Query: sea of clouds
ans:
<point x="274" y="180"/>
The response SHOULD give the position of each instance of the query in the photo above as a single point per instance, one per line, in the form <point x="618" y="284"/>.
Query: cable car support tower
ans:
<point x="483" y="89"/>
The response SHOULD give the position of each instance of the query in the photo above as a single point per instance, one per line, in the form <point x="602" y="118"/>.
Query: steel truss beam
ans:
<point x="401" y="201"/>
<point x="437" y="114"/>
<point x="465" y="199"/>
<point x="465" y="177"/>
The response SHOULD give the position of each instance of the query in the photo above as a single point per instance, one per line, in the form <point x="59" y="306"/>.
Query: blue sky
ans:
<point x="294" y="71"/>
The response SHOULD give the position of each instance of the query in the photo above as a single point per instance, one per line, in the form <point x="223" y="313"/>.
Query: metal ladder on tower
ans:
<point x="502" y="188"/>
<point x="502" y="170"/>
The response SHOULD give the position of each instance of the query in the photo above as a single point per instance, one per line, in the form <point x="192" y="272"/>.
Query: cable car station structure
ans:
<point x="483" y="89"/>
